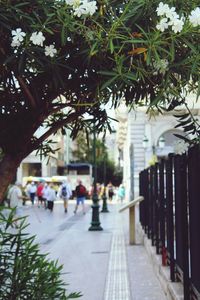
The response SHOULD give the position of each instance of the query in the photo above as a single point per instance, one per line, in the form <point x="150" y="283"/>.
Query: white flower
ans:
<point x="162" y="9"/>
<point x="85" y="8"/>
<point x="50" y="50"/>
<point x="161" y="66"/>
<point x="195" y="17"/>
<point x="37" y="38"/>
<point x="69" y="2"/>
<point x="173" y="19"/>
<point x="76" y="3"/>
<point x="180" y="147"/>
<point x="177" y="25"/>
<point x="15" y="43"/>
<point x="162" y="25"/>
<point x="90" y="7"/>
<point x="171" y="13"/>
<point x="79" y="11"/>
<point x="18" y="35"/>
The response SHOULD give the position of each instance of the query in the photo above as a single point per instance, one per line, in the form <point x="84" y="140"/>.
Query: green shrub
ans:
<point x="25" y="273"/>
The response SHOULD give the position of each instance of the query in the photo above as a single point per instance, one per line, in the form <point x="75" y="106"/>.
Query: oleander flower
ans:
<point x="161" y="66"/>
<point x="76" y="4"/>
<point x="171" y="13"/>
<point x="18" y="35"/>
<point x="162" y="9"/>
<point x="69" y="2"/>
<point x="85" y="8"/>
<point x="163" y="24"/>
<point x="15" y="43"/>
<point x="90" y="7"/>
<point x="79" y="11"/>
<point x="50" y="50"/>
<point x="194" y="17"/>
<point x="180" y="147"/>
<point x="177" y="25"/>
<point x="37" y="38"/>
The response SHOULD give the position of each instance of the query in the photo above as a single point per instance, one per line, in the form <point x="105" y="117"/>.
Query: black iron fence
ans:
<point x="170" y="216"/>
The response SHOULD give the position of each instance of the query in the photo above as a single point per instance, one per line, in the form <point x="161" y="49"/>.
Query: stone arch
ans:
<point x="170" y="141"/>
<point x="162" y="127"/>
<point x="169" y="136"/>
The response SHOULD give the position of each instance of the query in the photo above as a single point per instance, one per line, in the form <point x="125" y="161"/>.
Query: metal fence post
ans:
<point x="181" y="219"/>
<point x="157" y="204"/>
<point x="194" y="215"/>
<point x="170" y="216"/>
<point x="162" y="211"/>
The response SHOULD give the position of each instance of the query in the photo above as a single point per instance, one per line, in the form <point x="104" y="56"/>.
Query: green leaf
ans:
<point x="109" y="82"/>
<point x="182" y="117"/>
<point x="111" y="46"/>
<point x="188" y="128"/>
<point x="109" y="73"/>
<point x="130" y="76"/>
<point x="63" y="36"/>
<point x="182" y="137"/>
<point x="198" y="91"/>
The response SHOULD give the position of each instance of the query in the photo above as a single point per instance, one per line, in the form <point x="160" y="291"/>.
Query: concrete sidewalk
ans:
<point x="101" y="264"/>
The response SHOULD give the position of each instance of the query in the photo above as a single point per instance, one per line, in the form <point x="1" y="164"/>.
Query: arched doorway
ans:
<point x="169" y="141"/>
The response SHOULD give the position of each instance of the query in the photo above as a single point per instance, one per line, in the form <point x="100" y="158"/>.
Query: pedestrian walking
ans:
<point x="80" y="196"/>
<point x="121" y="192"/>
<point x="110" y="189"/>
<point x="65" y="193"/>
<point x="44" y="194"/>
<point x="16" y="200"/>
<point x="32" y="191"/>
<point x="39" y="193"/>
<point x="51" y="197"/>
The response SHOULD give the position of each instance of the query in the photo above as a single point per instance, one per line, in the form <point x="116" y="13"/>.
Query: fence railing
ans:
<point x="170" y="216"/>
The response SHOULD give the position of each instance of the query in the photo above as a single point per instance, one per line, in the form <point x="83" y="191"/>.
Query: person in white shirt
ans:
<point x="16" y="199"/>
<point x="45" y="193"/>
<point x="32" y="191"/>
<point x="51" y="197"/>
<point x="65" y="193"/>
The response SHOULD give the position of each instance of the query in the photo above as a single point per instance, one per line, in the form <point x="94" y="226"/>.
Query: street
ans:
<point x="101" y="265"/>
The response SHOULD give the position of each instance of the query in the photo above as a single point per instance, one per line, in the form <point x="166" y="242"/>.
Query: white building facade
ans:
<point x="34" y="165"/>
<point x="158" y="134"/>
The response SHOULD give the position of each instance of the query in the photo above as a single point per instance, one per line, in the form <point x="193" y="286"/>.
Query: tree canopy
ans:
<point x="62" y="60"/>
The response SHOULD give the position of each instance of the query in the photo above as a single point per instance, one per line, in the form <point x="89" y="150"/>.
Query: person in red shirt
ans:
<point x="39" y="192"/>
<point x="80" y="196"/>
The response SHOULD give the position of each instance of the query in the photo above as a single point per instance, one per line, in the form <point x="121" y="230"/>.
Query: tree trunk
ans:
<point x="8" y="169"/>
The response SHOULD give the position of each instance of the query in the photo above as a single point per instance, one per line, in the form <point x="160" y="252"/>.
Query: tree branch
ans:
<point x="54" y="128"/>
<point x="27" y="92"/>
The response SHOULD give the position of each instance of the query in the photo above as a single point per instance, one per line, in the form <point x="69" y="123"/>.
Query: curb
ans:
<point x="172" y="290"/>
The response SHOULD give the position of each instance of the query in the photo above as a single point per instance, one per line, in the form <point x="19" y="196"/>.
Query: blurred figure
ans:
<point x="56" y="187"/>
<point x="45" y="193"/>
<point x="99" y="190"/>
<point x="16" y="199"/>
<point x="51" y="197"/>
<point x="110" y="189"/>
<point x="24" y="195"/>
<point x="39" y="192"/>
<point x="121" y="193"/>
<point x="27" y="187"/>
<point x="65" y="193"/>
<point x="80" y="196"/>
<point x="32" y="191"/>
<point x="103" y="190"/>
